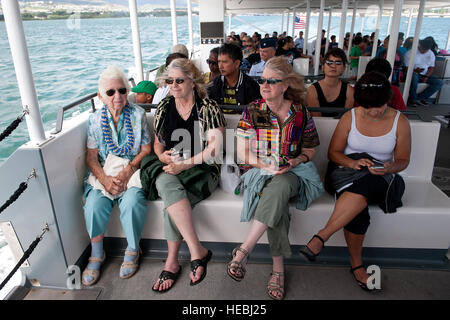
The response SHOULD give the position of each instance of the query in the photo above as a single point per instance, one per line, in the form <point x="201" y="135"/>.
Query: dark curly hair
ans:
<point x="337" y="53"/>
<point x="372" y="90"/>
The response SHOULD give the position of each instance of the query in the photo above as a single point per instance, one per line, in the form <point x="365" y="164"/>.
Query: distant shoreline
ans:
<point x="62" y="15"/>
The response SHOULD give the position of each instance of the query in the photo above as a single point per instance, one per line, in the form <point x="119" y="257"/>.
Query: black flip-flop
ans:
<point x="200" y="263"/>
<point x="167" y="275"/>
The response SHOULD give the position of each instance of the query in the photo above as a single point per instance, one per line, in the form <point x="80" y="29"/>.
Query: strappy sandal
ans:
<point x="305" y="251"/>
<point x="134" y="265"/>
<point x="93" y="273"/>
<point x="167" y="275"/>
<point x="276" y="286"/>
<point x="237" y="265"/>
<point x="195" y="264"/>
<point x="361" y="284"/>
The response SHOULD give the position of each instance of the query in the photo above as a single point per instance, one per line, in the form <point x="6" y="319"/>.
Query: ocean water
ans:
<point x="67" y="58"/>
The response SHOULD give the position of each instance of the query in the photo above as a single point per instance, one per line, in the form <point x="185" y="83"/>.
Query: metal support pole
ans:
<point x="362" y="23"/>
<point x="282" y="22"/>
<point x="308" y="16"/>
<point x="22" y="66"/>
<point x="330" y="14"/>
<point x="352" y="29"/>
<point x="191" y="33"/>
<point x="408" y="29"/>
<point x="173" y="14"/>
<point x="447" y="45"/>
<point x="319" y="38"/>
<point x="388" y="31"/>
<point x="412" y="57"/>
<point x="377" y="30"/>
<point x="343" y="22"/>
<point x="293" y="23"/>
<point x="229" y="23"/>
<point x="287" y="22"/>
<point x="136" y="40"/>
<point x="393" y="38"/>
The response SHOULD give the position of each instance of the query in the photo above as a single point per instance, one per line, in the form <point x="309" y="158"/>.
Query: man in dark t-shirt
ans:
<point x="232" y="86"/>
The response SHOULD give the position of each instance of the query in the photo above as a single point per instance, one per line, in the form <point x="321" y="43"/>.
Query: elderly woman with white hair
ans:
<point x="118" y="139"/>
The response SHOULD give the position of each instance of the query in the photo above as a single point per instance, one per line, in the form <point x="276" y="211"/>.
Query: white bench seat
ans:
<point x="422" y="223"/>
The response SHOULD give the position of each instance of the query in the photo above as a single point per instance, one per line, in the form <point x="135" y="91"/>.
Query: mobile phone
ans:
<point x="377" y="167"/>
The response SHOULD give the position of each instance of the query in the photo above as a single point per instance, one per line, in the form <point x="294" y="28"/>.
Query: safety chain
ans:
<point x="22" y="187"/>
<point x="25" y="256"/>
<point x="14" y="124"/>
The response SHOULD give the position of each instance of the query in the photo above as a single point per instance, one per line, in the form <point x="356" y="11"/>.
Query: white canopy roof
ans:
<point x="280" y="6"/>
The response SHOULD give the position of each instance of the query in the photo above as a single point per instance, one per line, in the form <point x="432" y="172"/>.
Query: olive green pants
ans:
<point x="273" y="211"/>
<point x="171" y="191"/>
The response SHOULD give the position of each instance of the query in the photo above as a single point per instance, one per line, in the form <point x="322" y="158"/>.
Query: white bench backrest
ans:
<point x="425" y="137"/>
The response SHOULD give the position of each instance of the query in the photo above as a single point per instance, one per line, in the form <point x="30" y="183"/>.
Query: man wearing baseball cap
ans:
<point x="267" y="49"/>
<point x="145" y="91"/>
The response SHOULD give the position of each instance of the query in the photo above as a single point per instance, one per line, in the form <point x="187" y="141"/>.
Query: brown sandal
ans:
<point x="276" y="286"/>
<point x="237" y="265"/>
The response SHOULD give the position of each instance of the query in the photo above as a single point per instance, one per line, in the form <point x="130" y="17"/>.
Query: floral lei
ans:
<point x="114" y="148"/>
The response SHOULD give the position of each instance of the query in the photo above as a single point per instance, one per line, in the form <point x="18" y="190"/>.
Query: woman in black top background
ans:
<point x="331" y="91"/>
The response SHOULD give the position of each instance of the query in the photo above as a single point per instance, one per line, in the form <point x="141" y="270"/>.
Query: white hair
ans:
<point x="110" y="73"/>
<point x="180" y="48"/>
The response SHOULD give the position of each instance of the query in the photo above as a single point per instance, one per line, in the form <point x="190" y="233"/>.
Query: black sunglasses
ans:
<point x="330" y="62"/>
<point x="177" y="80"/>
<point x="111" y="92"/>
<point x="269" y="81"/>
<point x="214" y="63"/>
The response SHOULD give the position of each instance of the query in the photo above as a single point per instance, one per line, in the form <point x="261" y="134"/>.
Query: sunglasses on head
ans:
<point x="177" y="80"/>
<point x="269" y="81"/>
<point x="111" y="92"/>
<point x="214" y="63"/>
<point x="331" y="62"/>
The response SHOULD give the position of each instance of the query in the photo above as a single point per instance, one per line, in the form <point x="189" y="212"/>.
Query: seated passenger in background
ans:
<point x="266" y="51"/>
<point x="163" y="91"/>
<point x="384" y="67"/>
<point x="423" y="72"/>
<point x="178" y="48"/>
<point x="331" y="92"/>
<point x="233" y="87"/>
<point x="369" y="146"/>
<point x="285" y="47"/>
<point x="249" y="47"/>
<point x="213" y="65"/>
<point x="118" y="139"/>
<point x="145" y="90"/>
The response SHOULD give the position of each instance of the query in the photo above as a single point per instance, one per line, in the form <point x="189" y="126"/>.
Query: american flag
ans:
<point x="299" y="22"/>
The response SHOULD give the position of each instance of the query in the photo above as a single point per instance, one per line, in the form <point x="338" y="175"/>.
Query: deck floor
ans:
<point x="303" y="282"/>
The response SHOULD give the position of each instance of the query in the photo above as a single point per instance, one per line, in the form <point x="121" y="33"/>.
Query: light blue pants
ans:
<point x="133" y="211"/>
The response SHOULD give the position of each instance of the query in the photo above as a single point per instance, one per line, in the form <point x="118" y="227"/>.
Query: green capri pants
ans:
<point x="171" y="191"/>
<point x="273" y="211"/>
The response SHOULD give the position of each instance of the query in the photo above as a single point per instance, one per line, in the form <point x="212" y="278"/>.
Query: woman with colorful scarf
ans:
<point x="118" y="139"/>
<point x="276" y="137"/>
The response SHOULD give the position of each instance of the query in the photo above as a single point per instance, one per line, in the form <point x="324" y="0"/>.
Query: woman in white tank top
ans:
<point x="384" y="134"/>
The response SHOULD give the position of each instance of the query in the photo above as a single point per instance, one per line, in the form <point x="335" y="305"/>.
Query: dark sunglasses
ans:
<point x="111" y="92"/>
<point x="177" y="80"/>
<point x="331" y="62"/>
<point x="269" y="81"/>
<point x="214" y="63"/>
